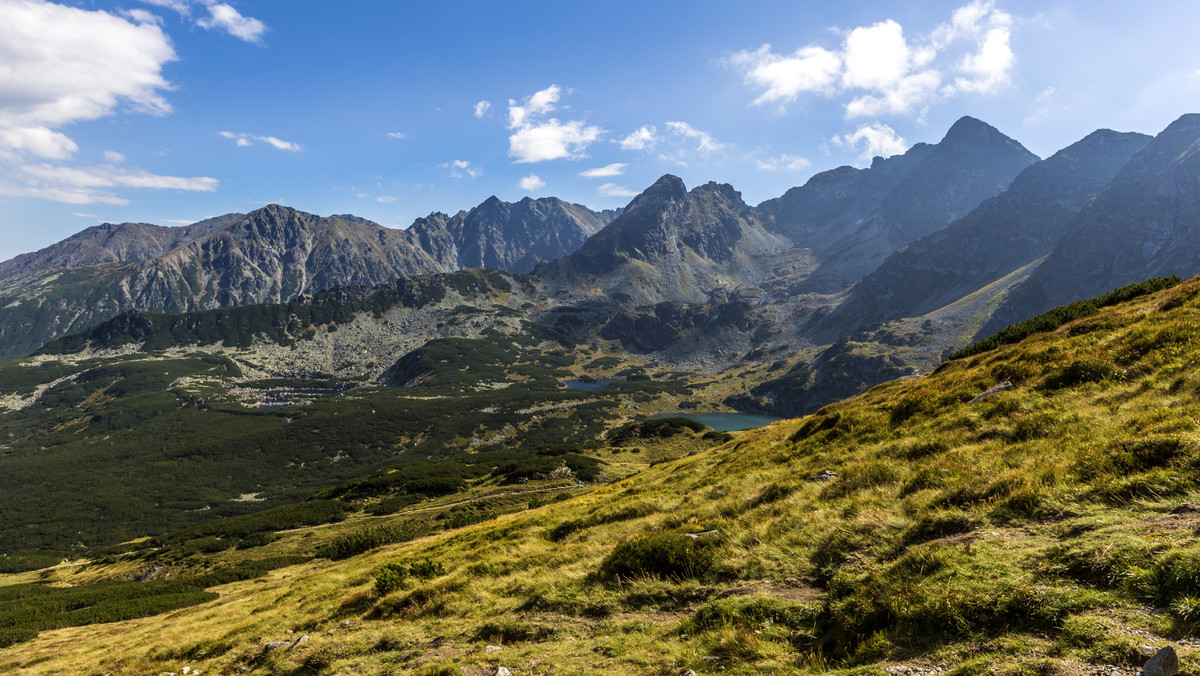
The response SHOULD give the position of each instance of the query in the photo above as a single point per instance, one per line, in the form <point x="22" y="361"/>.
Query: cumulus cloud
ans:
<point x="644" y="138"/>
<point x="247" y="140"/>
<point x="784" y="77"/>
<point x="872" y="140"/>
<point x="462" y="169"/>
<point x="64" y="65"/>
<point x="614" y="190"/>
<point x="538" y="138"/>
<point x="783" y="162"/>
<point x="614" y="169"/>
<point x="531" y="182"/>
<point x="482" y="108"/>
<point x="883" y="72"/>
<point x="707" y="144"/>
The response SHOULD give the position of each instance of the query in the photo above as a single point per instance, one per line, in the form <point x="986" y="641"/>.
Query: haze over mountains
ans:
<point x="959" y="237"/>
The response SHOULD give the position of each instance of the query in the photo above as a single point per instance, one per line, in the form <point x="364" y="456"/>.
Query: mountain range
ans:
<point x="857" y="276"/>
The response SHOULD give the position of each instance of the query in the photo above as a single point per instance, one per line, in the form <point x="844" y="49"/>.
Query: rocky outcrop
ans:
<point x="670" y="244"/>
<point x="513" y="237"/>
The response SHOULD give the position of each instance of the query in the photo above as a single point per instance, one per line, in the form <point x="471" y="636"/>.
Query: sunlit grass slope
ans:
<point x="1047" y="528"/>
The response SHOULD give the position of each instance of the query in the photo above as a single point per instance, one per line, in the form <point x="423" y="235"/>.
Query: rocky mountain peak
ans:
<point x="719" y="191"/>
<point x="668" y="187"/>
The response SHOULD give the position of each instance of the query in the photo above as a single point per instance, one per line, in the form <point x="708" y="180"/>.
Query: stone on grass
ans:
<point x="1165" y="663"/>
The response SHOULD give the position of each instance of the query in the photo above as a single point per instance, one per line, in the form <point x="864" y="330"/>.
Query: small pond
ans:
<point x="723" y="422"/>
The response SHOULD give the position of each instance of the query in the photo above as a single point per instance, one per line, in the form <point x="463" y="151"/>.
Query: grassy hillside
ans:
<point x="1045" y="528"/>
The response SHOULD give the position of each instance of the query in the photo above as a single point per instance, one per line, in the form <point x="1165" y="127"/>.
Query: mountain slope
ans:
<point x="112" y="243"/>
<point x="271" y="254"/>
<point x="1035" y="529"/>
<point x="268" y="256"/>
<point x="670" y="244"/>
<point x="515" y="237"/>
<point x="853" y="219"/>
<point x="1145" y="223"/>
<point x="1002" y="234"/>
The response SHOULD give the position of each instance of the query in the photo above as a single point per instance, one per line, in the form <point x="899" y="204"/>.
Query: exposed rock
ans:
<point x="275" y="645"/>
<point x="1145" y="223"/>
<point x="1164" y="663"/>
<point x="823" y="475"/>
<point x="492" y="648"/>
<point x="1006" y="385"/>
<point x="1003" y="234"/>
<point x="503" y="671"/>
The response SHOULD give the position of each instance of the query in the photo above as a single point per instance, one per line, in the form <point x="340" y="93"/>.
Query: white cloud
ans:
<point x="876" y="57"/>
<point x="614" y="169"/>
<point x="462" y="168"/>
<point x="247" y="140"/>
<point x="385" y="199"/>
<point x="397" y="134"/>
<point x="872" y="140"/>
<point x="224" y="17"/>
<point x="707" y="144"/>
<point x="783" y="162"/>
<point x="883" y="72"/>
<point x="108" y="176"/>
<point x="221" y="16"/>
<point x="94" y="185"/>
<point x="809" y="69"/>
<point x="482" y="108"/>
<point x="38" y="141"/>
<point x="141" y="16"/>
<point x="552" y="140"/>
<point x="644" y="138"/>
<point x="64" y="65"/>
<point x="614" y="190"/>
<point x="83" y="215"/>
<point x="531" y="182"/>
<point x="181" y="6"/>
<point x="537" y="139"/>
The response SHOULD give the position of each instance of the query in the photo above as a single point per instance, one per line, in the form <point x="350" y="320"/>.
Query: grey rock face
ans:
<point x="852" y="219"/>
<point x="1004" y="233"/>
<point x="1144" y="223"/>
<point x="671" y="245"/>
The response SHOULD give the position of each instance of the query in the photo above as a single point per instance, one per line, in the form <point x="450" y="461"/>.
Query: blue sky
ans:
<point x="171" y="111"/>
